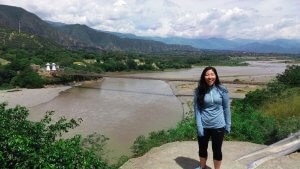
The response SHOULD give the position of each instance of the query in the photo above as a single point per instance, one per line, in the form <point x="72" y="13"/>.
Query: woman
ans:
<point x="212" y="114"/>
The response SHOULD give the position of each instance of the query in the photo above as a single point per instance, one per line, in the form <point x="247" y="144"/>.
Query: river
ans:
<point x="122" y="109"/>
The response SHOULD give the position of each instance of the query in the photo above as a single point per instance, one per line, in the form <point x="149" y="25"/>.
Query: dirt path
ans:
<point x="183" y="155"/>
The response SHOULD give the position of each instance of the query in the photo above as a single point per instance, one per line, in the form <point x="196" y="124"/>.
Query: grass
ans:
<point x="286" y="113"/>
<point x="288" y="105"/>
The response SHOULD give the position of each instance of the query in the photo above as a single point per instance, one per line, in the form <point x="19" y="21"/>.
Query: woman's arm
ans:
<point x="198" y="117"/>
<point x="226" y="109"/>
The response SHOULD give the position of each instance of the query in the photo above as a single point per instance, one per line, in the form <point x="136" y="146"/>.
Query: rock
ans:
<point x="184" y="155"/>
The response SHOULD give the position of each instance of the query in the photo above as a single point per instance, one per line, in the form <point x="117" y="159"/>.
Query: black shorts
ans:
<point x="217" y="136"/>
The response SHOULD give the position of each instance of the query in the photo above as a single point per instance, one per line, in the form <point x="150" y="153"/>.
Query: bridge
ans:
<point x="82" y="76"/>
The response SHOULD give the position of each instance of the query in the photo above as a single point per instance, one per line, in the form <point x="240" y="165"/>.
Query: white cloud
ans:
<point x="186" y="18"/>
<point x="119" y="3"/>
<point x="284" y="28"/>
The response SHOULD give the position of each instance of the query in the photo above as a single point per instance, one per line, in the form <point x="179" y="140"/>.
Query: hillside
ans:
<point x="110" y="41"/>
<point x="12" y="39"/>
<point x="78" y="36"/>
<point x="13" y="17"/>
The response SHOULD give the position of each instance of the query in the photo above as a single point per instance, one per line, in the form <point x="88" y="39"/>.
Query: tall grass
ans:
<point x="287" y="105"/>
<point x="285" y="111"/>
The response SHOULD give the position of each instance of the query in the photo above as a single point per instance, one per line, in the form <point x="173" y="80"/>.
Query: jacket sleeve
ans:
<point x="226" y="109"/>
<point x="200" y="130"/>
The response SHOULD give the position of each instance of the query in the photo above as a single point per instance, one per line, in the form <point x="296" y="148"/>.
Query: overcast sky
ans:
<point x="251" y="19"/>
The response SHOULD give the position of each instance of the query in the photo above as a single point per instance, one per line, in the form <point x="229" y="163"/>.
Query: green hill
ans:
<point x="12" y="39"/>
<point x="109" y="41"/>
<point x="78" y="36"/>
<point x="12" y="17"/>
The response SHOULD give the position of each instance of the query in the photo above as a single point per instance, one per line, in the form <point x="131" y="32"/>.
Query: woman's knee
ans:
<point x="203" y="144"/>
<point x="203" y="153"/>
<point x="217" y="156"/>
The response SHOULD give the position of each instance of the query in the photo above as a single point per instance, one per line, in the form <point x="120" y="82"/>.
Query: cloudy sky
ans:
<point x="251" y="19"/>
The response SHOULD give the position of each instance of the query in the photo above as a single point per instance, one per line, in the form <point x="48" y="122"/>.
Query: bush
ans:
<point x="6" y="74"/>
<point x="29" y="79"/>
<point x="26" y="144"/>
<point x="258" y="97"/>
<point x="291" y="76"/>
<point x="249" y="124"/>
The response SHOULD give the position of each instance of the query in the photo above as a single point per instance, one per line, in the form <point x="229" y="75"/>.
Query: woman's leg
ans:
<point x="217" y="137"/>
<point x="203" y="162"/>
<point x="203" y="144"/>
<point x="217" y="164"/>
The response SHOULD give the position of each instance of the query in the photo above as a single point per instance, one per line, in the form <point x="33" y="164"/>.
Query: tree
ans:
<point x="27" y="144"/>
<point x="290" y="76"/>
<point x="29" y="79"/>
<point x="6" y="74"/>
<point x="131" y="64"/>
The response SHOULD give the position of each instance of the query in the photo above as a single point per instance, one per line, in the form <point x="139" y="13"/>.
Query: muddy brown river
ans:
<point x="122" y="109"/>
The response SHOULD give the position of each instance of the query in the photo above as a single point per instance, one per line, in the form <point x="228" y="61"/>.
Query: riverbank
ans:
<point x="33" y="97"/>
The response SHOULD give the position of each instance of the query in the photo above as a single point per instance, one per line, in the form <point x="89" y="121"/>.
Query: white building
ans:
<point x="53" y="67"/>
<point x="48" y="67"/>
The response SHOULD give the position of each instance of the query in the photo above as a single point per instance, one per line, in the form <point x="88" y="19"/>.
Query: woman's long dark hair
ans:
<point x="203" y="86"/>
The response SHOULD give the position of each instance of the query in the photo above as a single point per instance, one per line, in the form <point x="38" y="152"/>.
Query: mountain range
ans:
<point x="247" y="45"/>
<point x="76" y="36"/>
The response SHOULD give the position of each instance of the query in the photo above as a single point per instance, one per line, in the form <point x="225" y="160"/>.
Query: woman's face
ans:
<point x="210" y="77"/>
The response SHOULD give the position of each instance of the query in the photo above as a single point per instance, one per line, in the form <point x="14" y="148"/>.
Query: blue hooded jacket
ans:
<point x="216" y="110"/>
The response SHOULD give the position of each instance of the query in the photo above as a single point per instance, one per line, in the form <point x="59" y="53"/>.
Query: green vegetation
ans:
<point x="27" y="144"/>
<point x="264" y="116"/>
<point x="19" y="73"/>
<point x="270" y="114"/>
<point x="28" y="78"/>
<point x="285" y="112"/>
<point x="20" y="50"/>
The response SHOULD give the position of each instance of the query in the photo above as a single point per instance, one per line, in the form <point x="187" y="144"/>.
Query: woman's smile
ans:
<point x="210" y="77"/>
